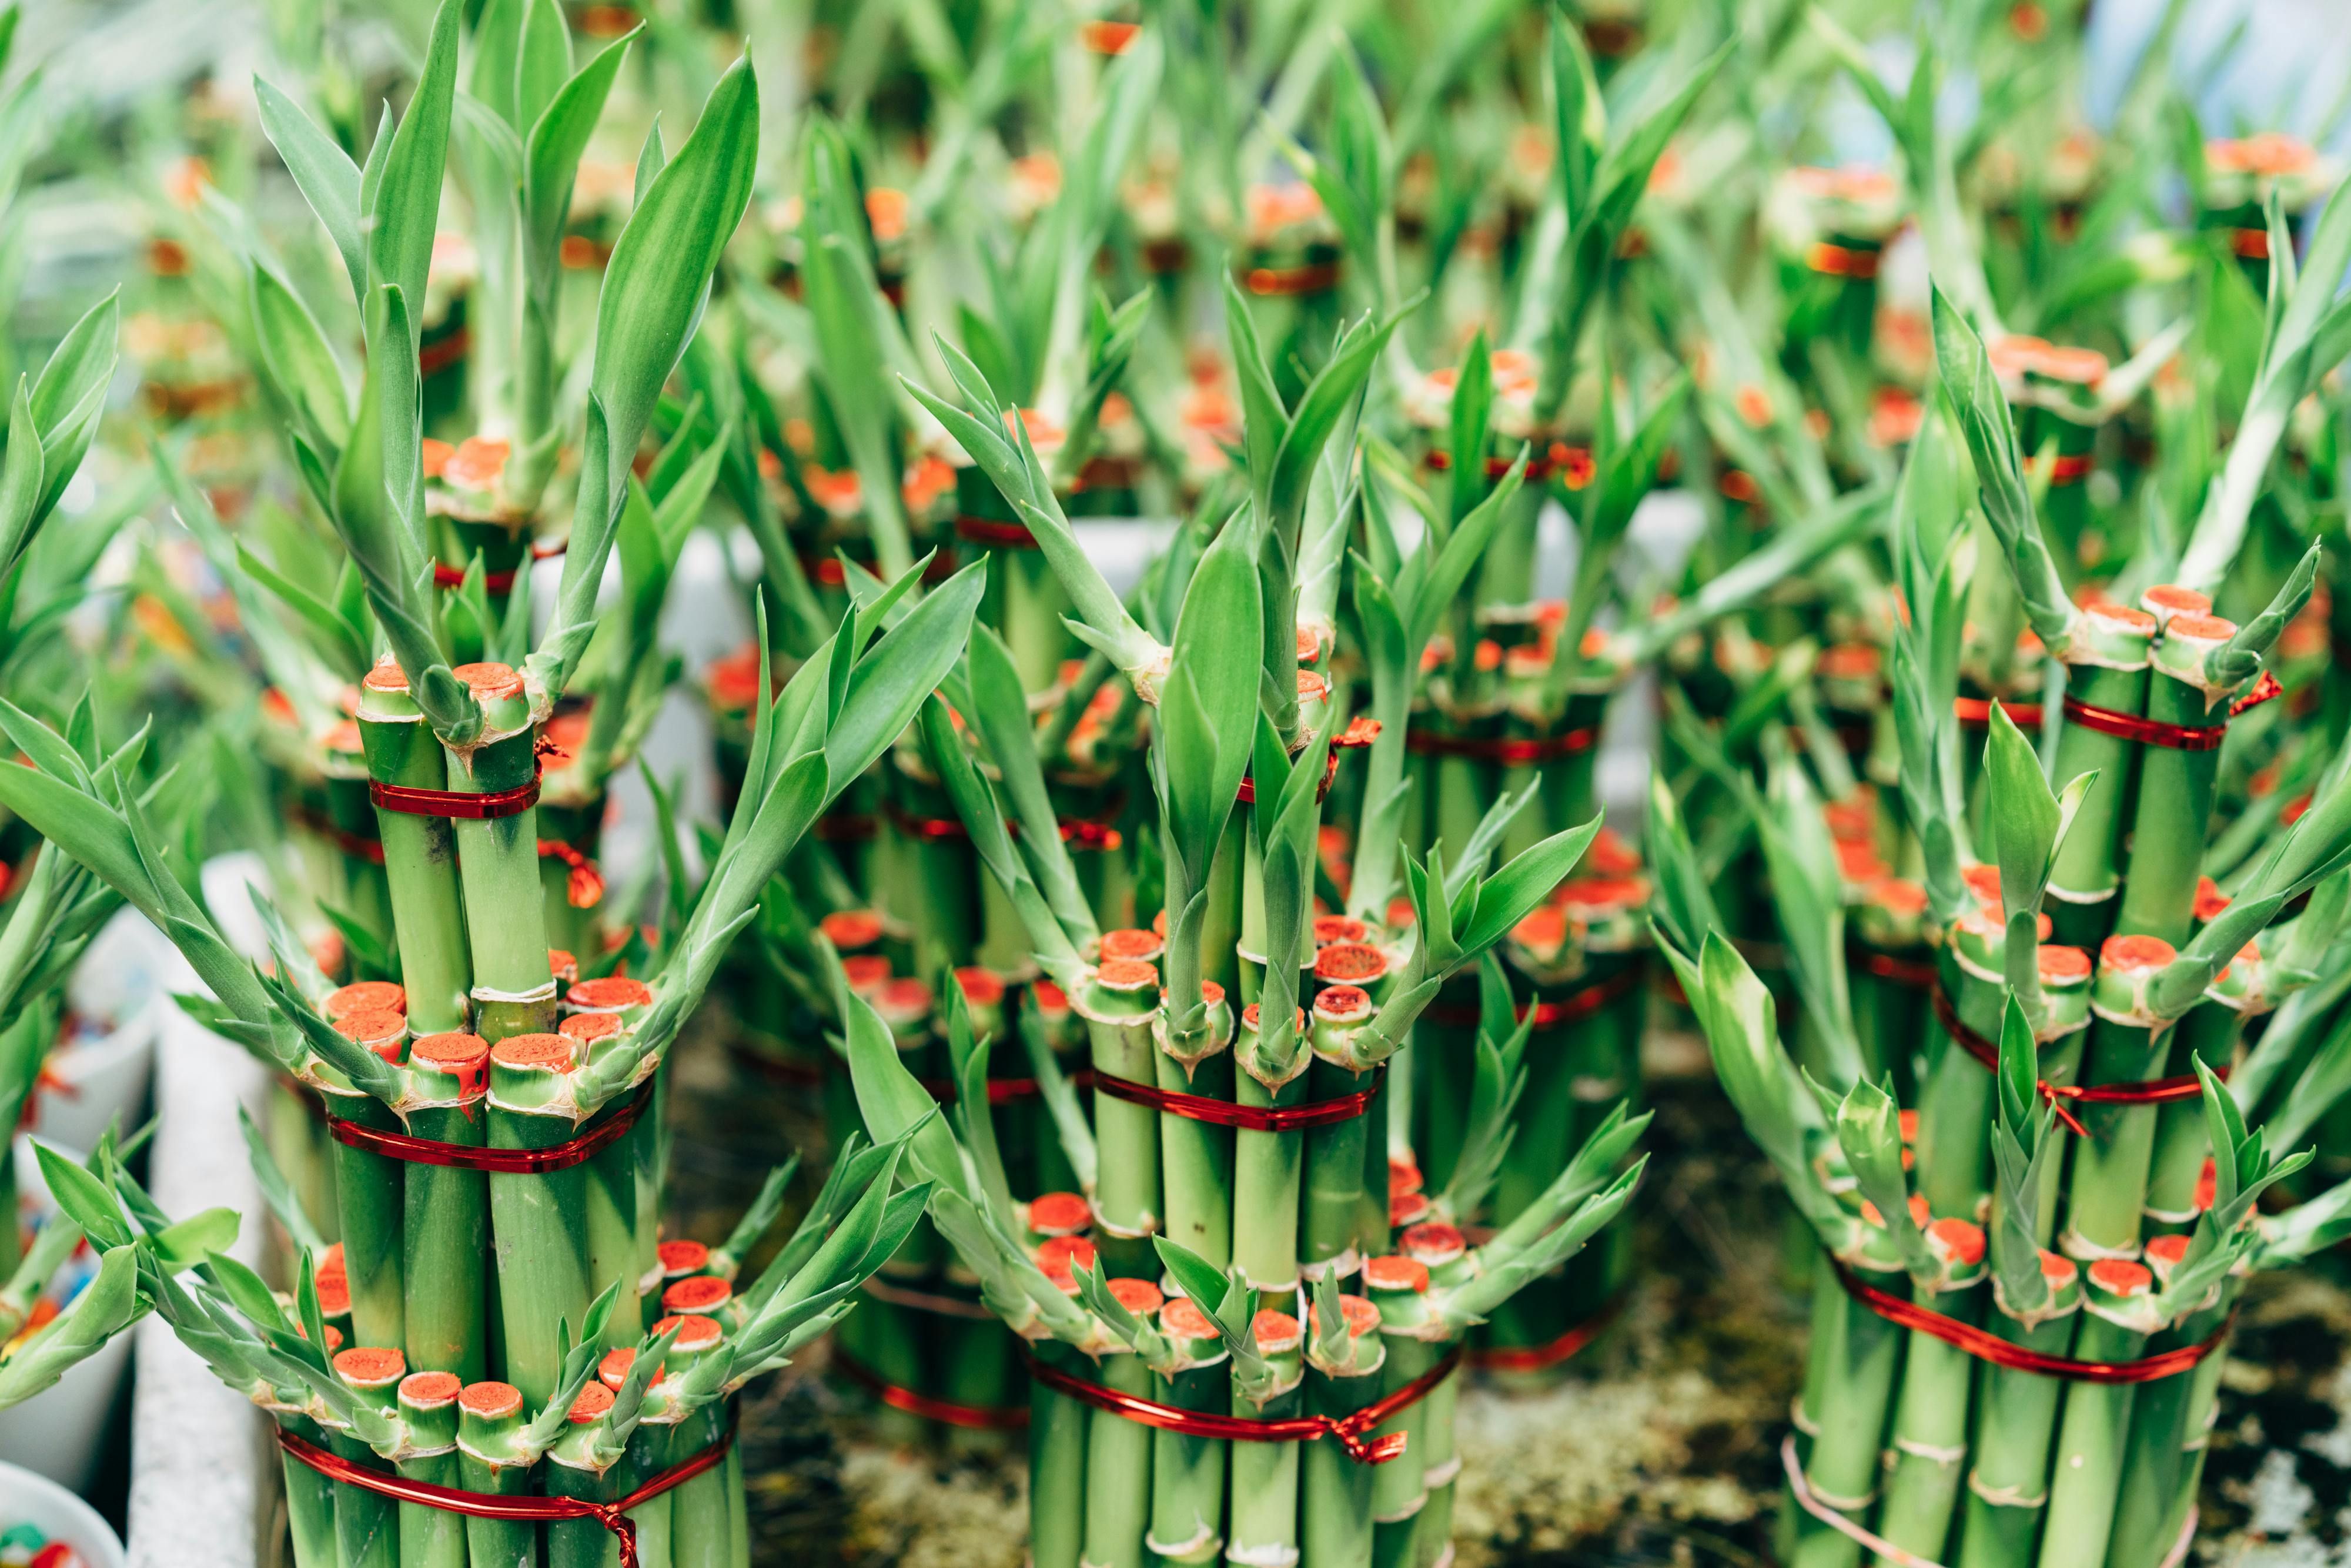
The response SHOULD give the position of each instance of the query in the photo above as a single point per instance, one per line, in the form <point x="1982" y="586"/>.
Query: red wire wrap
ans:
<point x="2175" y="737"/>
<point x="560" y="1156"/>
<point x="448" y="576"/>
<point x="971" y="1417"/>
<point x="1985" y="1345"/>
<point x="1508" y="750"/>
<point x="992" y="531"/>
<point x="1976" y="712"/>
<point x="2145" y="1091"/>
<point x="799" y="1075"/>
<point x="498" y="804"/>
<point x="1576" y="1005"/>
<point x="1352" y="1431"/>
<point x="1915" y="973"/>
<point x="1536" y="1357"/>
<point x="1251" y="1118"/>
<point x="1289" y="282"/>
<point x="612" y="1516"/>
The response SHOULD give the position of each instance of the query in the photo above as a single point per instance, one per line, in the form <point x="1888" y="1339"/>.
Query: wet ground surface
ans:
<point x="1659" y="1446"/>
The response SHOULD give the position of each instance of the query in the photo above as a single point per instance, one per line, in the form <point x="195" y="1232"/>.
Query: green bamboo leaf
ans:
<point x="103" y="1309"/>
<point x="895" y="1106"/>
<point x="542" y="60"/>
<point x="296" y="354"/>
<point x="654" y="288"/>
<point x="1320" y="407"/>
<point x="403" y="209"/>
<point x="1976" y="400"/>
<point x="1216" y="660"/>
<point x="1000" y="710"/>
<point x="557" y="137"/>
<point x="322" y="171"/>
<point x="196" y="1237"/>
<point x="86" y="1200"/>
<point x="2240" y="658"/>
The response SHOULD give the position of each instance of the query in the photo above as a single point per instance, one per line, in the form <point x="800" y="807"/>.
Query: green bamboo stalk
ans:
<point x="514" y="989"/>
<point x="367" y="1524"/>
<point x="1928" y="1444"/>
<point x="309" y="1498"/>
<point x="1118" y="1003"/>
<point x="370" y="1200"/>
<point x="1266" y="1476"/>
<point x="539" y="1221"/>
<point x="1058" y="1444"/>
<point x="446" y="1219"/>
<point x="1347" y="1353"/>
<point x="1187" y="1472"/>
<point x="2107" y="668"/>
<point x="431" y="1537"/>
<point x="489" y="1419"/>
<point x="2119" y="1313"/>
<point x="1119" y="1453"/>
<point x="419" y="854"/>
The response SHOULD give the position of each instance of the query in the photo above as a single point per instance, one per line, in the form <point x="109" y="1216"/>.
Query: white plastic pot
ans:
<point x="99" y="1073"/>
<point x="59" y="1431"/>
<point x="58" y="1515"/>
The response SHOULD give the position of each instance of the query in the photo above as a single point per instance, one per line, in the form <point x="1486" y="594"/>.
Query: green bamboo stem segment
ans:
<point x="1929" y="1448"/>
<point x="2107" y="670"/>
<point x="571" y="1471"/>
<point x="538" y="1221"/>
<point x="2016" y="1416"/>
<point x="1336" y="1517"/>
<point x="514" y="987"/>
<point x="1415" y="1340"/>
<point x="1265" y="1476"/>
<point x="2118" y="1315"/>
<point x="2176" y="785"/>
<point x="1268" y="1166"/>
<point x="1118" y="1003"/>
<point x="1119" y="1452"/>
<point x="489" y="1418"/>
<point x="419" y="854"/>
<point x="1187" y="1472"/>
<point x="1860" y="1357"/>
<point x="370" y="1205"/>
<point x="1196" y="1157"/>
<point x="701" y="1518"/>
<point x="446" y="1217"/>
<point x="431" y="1537"/>
<point x="309" y="1498"/>
<point x="1057" y="1466"/>
<point x="2167" y="1431"/>
<point x="2106" y="1192"/>
<point x="367" y="1524"/>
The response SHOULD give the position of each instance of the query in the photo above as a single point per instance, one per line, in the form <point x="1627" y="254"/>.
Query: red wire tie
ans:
<point x="995" y="531"/>
<point x="1842" y="261"/>
<point x="826" y="571"/>
<point x="2250" y="244"/>
<point x="612" y="1516"/>
<point x="1550" y="1353"/>
<point x="1915" y="973"/>
<point x="1568" y="1008"/>
<point x="1352" y="1431"/>
<point x="2069" y="468"/>
<point x="448" y="576"/>
<point x="2175" y="737"/>
<point x="802" y="1075"/>
<point x="455" y="803"/>
<point x="351" y="843"/>
<point x="432" y="358"/>
<point x="1251" y="1118"/>
<point x="1248" y="795"/>
<point x="571" y="1152"/>
<point x="2144" y="1092"/>
<point x="1510" y="751"/>
<point x="1975" y="713"/>
<point x="971" y="1417"/>
<point x="1077" y="832"/>
<point x="846" y="827"/>
<point x="1572" y="463"/>
<point x="1985" y="1345"/>
<point x="1289" y="282"/>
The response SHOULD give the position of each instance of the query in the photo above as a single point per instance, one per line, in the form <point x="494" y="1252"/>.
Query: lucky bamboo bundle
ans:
<point x="628" y="1458"/>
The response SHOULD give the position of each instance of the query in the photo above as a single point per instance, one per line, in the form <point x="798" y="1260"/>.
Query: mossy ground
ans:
<point x="1658" y="1446"/>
